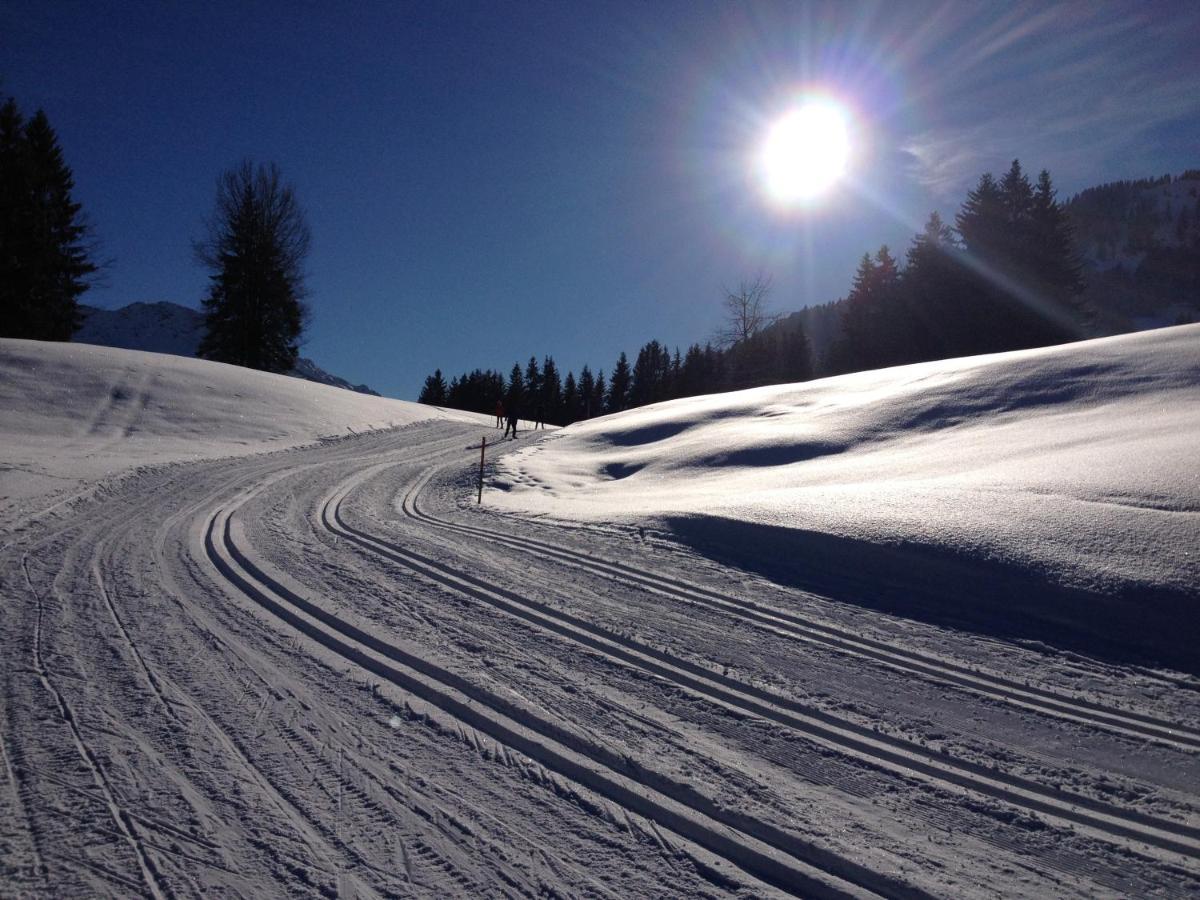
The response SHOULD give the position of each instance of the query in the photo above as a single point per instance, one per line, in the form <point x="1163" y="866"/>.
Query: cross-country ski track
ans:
<point x="324" y="671"/>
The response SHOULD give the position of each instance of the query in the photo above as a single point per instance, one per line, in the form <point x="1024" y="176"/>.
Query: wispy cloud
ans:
<point x="1064" y="86"/>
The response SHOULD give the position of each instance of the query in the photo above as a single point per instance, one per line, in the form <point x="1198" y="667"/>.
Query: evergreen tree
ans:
<point x="255" y="248"/>
<point x="551" y="392"/>
<point x="44" y="258"/>
<point x="434" y="391"/>
<point x="932" y="295"/>
<point x="533" y="381"/>
<point x="651" y="371"/>
<point x="514" y="397"/>
<point x="570" y="400"/>
<point x="1054" y="259"/>
<point x="1025" y="277"/>
<point x="599" y="395"/>
<point x="587" y="394"/>
<point x="619" y="384"/>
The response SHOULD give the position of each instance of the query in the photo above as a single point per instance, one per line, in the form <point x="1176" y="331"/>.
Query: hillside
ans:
<point x="76" y="413"/>
<point x="243" y="658"/>
<point x="1037" y="492"/>
<point x="164" y="327"/>
<point x="1140" y="245"/>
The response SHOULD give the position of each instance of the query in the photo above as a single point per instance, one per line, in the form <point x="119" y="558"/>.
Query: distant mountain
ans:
<point x="1140" y="244"/>
<point x="170" y="328"/>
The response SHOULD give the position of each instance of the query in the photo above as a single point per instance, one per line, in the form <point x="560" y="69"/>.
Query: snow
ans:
<point x="241" y="658"/>
<point x="1074" y="465"/>
<point x="71" y="414"/>
<point x="165" y="327"/>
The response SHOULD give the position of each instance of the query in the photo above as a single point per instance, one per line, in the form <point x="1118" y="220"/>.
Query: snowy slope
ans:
<point x="74" y="413"/>
<point x="170" y="328"/>
<point x="1071" y="468"/>
<point x="329" y="671"/>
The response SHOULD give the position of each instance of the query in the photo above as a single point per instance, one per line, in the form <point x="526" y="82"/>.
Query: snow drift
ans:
<point x="75" y="413"/>
<point x="1045" y="494"/>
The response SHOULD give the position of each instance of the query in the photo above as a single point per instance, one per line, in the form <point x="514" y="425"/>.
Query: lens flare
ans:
<point x="805" y="153"/>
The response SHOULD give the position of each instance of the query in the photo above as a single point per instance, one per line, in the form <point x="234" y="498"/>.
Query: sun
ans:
<point x="805" y="153"/>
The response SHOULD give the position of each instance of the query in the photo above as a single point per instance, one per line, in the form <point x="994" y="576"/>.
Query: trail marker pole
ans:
<point x="482" y="450"/>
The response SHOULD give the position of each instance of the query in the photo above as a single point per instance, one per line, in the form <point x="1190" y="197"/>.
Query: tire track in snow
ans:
<point x="893" y="753"/>
<point x="760" y="849"/>
<point x="1077" y="709"/>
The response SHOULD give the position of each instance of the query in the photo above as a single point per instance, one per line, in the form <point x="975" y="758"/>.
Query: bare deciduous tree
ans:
<point x="746" y="312"/>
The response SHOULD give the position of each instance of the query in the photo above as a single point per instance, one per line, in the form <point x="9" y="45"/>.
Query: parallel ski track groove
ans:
<point x="1140" y="725"/>
<point x="121" y="819"/>
<point x="895" y="752"/>
<point x="727" y="835"/>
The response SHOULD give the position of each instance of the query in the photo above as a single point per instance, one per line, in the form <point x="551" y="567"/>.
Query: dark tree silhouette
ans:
<point x="746" y="311"/>
<point x="45" y="259"/>
<point x="618" y="387"/>
<point x="255" y="246"/>
<point x="550" y="393"/>
<point x="587" y="393"/>
<point x="514" y="396"/>
<point x="434" y="391"/>
<point x="570" y="400"/>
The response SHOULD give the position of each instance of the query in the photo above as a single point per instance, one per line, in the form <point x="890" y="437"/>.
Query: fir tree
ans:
<point x="570" y="400"/>
<point x="533" y="381"/>
<point x="514" y="396"/>
<point x="618" y="388"/>
<point x="44" y="257"/>
<point x="550" y="393"/>
<point x="599" y="395"/>
<point x="434" y="391"/>
<point x="587" y="394"/>
<point x="255" y="248"/>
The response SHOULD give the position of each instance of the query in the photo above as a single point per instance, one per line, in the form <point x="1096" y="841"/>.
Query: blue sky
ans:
<point x="487" y="180"/>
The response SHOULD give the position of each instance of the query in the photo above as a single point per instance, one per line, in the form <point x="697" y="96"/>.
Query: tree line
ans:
<point x="1006" y="276"/>
<point x="254" y="247"/>
<point x="765" y="355"/>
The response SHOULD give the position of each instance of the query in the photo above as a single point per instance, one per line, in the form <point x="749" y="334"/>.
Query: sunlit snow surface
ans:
<point x="71" y="414"/>
<point x="1080" y="462"/>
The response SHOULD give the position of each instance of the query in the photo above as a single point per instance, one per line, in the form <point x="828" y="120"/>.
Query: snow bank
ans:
<point x="75" y="413"/>
<point x="1073" y="468"/>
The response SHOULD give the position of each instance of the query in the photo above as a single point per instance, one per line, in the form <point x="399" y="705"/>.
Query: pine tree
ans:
<point x="570" y="400"/>
<point x="587" y="393"/>
<point x="515" y="395"/>
<point x="533" y="381"/>
<point x="599" y="395"/>
<point x="932" y="295"/>
<point x="434" y="392"/>
<point x="618" y="388"/>
<point x="1055" y="270"/>
<point x="44" y="258"/>
<point x="255" y="248"/>
<point x="550" y="394"/>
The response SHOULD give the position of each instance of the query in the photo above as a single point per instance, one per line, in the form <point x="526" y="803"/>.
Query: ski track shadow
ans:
<point x="1139" y="625"/>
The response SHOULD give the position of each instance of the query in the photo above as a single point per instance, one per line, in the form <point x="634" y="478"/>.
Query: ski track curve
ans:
<point x="761" y="850"/>
<point x="1101" y="818"/>
<point x="1079" y="709"/>
<point x="206" y="538"/>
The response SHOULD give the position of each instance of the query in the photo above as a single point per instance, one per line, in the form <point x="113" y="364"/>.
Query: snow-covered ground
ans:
<point x="1073" y="471"/>
<point x="76" y="413"/>
<point x="238" y="660"/>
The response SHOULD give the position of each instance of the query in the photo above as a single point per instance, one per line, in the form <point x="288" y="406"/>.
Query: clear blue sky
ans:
<point x="489" y="180"/>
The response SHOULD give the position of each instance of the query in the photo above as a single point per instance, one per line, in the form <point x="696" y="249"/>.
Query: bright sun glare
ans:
<point x="804" y="153"/>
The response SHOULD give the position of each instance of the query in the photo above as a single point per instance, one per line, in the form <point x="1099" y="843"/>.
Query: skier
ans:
<point x="499" y="413"/>
<point x="537" y="417"/>
<point x="512" y="420"/>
